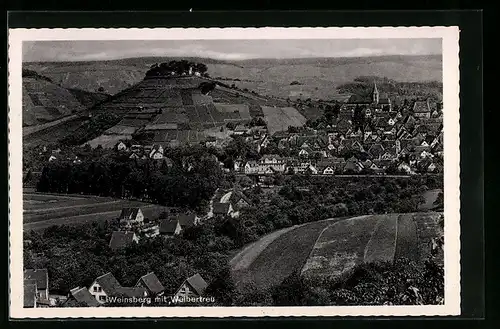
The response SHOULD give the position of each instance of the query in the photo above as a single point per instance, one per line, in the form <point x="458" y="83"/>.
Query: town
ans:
<point x="187" y="211"/>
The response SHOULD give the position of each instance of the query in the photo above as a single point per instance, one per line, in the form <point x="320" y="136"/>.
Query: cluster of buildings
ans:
<point x="133" y="226"/>
<point x="143" y="152"/>
<point x="367" y="136"/>
<point x="107" y="289"/>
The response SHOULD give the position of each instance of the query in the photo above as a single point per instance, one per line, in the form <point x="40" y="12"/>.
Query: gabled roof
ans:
<point x="29" y="295"/>
<point x="197" y="283"/>
<point x="376" y="150"/>
<point x="131" y="292"/>
<point x="129" y="213"/>
<point x="41" y="276"/>
<point x="168" y="226"/>
<point x="83" y="296"/>
<point x="152" y="283"/>
<point x="221" y="208"/>
<point x="237" y="195"/>
<point x="108" y="283"/>
<point x="185" y="219"/>
<point x="121" y="239"/>
<point x="421" y="107"/>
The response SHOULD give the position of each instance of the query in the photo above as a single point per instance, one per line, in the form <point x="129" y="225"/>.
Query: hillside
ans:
<point x="182" y="109"/>
<point x="318" y="77"/>
<point x="44" y="101"/>
<point x="331" y="248"/>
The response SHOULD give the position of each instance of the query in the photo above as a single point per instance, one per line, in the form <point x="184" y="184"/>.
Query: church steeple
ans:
<point x="375" y="95"/>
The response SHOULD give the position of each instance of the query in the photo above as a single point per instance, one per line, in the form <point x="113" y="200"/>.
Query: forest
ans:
<point x="193" y="174"/>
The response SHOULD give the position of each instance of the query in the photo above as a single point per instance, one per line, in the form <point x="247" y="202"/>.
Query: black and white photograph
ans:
<point x="234" y="172"/>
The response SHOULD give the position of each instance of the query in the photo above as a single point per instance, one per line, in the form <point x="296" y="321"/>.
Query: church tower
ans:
<point x="375" y="95"/>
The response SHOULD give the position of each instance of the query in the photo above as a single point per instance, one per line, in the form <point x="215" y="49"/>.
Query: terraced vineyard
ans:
<point x="330" y="248"/>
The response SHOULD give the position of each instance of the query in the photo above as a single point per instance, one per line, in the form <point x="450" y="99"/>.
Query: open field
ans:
<point x="279" y="119"/>
<point x="333" y="247"/>
<point x="44" y="210"/>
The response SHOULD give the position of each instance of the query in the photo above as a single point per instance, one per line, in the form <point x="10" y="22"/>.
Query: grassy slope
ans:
<point x="284" y="255"/>
<point x="332" y="248"/>
<point x="52" y="209"/>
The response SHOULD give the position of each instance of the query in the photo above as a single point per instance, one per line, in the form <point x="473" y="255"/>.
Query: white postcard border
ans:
<point x="450" y="37"/>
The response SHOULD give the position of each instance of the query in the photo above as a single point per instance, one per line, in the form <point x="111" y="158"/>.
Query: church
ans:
<point x="371" y="101"/>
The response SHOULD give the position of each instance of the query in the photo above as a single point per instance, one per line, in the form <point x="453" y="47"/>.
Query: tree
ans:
<point x="222" y="288"/>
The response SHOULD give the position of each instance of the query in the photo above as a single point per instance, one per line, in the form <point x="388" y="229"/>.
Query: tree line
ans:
<point x="181" y="67"/>
<point x="190" y="180"/>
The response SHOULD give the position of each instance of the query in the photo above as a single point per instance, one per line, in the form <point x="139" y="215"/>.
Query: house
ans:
<point x="80" y="297"/>
<point x="239" y="200"/>
<point x="39" y="277"/>
<point x="151" y="283"/>
<point x="170" y="227"/>
<point x="122" y="239"/>
<point x="192" y="287"/>
<point x="224" y="209"/>
<point x="404" y="167"/>
<point x="156" y="153"/>
<point x="329" y="170"/>
<point x="251" y="167"/>
<point x="238" y="164"/>
<point x="353" y="165"/>
<point x="303" y="153"/>
<point x="240" y="130"/>
<point x="186" y="220"/>
<point x="131" y="216"/>
<point x="30" y="294"/>
<point x="421" y="109"/>
<point x="107" y="286"/>
<point x="104" y="286"/>
<point x="275" y="162"/>
<point x="121" y="146"/>
<point x="376" y="150"/>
